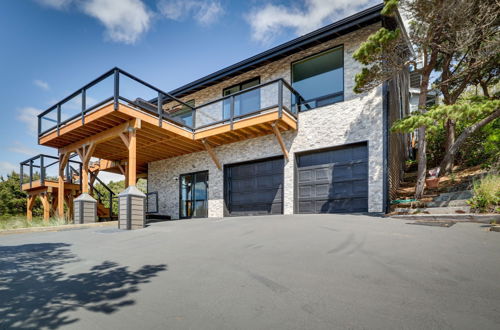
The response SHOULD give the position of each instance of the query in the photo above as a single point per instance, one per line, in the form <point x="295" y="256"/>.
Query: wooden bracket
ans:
<point x="211" y="153"/>
<point x="277" y="133"/>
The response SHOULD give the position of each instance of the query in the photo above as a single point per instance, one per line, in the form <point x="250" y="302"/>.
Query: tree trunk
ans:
<point x="450" y="141"/>
<point x="422" y="163"/>
<point x="465" y="134"/>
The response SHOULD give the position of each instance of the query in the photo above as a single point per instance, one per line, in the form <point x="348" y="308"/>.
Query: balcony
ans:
<point x="169" y="127"/>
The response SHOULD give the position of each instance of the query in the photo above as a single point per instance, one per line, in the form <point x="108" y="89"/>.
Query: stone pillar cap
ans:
<point x="85" y="198"/>
<point x="132" y="191"/>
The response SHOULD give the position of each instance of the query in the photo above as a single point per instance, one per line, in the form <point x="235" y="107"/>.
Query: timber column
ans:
<point x="85" y="206"/>
<point x="131" y="202"/>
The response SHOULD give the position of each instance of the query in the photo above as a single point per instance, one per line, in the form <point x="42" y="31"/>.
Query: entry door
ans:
<point x="194" y="195"/>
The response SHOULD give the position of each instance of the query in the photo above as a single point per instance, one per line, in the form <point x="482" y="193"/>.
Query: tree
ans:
<point x="12" y="199"/>
<point x="450" y="53"/>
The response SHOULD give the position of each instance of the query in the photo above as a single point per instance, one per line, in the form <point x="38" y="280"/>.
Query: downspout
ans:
<point x="385" y="148"/>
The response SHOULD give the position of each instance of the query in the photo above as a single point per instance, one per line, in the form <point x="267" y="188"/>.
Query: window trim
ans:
<point x="240" y="84"/>
<point x="341" y="46"/>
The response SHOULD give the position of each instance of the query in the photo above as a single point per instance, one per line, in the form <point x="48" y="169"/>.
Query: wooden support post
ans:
<point x="63" y="161"/>
<point x="85" y="153"/>
<point x="132" y="158"/>
<point x="211" y="153"/>
<point x="46" y="206"/>
<point x="277" y="133"/>
<point x="29" y="207"/>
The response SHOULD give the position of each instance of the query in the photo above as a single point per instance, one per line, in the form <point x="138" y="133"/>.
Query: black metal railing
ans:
<point x="46" y="168"/>
<point x="117" y="86"/>
<point x="152" y="202"/>
<point x="108" y="196"/>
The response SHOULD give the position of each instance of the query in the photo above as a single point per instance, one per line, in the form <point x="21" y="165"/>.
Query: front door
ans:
<point x="194" y="195"/>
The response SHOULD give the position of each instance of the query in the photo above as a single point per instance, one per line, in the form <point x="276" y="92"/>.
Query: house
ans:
<point x="281" y="132"/>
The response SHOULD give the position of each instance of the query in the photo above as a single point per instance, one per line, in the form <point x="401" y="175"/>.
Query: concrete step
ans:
<point x="464" y="194"/>
<point x="435" y="210"/>
<point x="466" y="217"/>
<point x="453" y="202"/>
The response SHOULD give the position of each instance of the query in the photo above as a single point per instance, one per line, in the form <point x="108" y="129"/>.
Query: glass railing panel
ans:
<point x="209" y="114"/>
<point x="48" y="121"/>
<point x="138" y="93"/>
<point x="50" y="170"/>
<point x="99" y="92"/>
<point x="287" y="99"/>
<point x="71" y="108"/>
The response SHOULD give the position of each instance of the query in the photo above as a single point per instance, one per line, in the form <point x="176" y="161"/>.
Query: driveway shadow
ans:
<point x="35" y="292"/>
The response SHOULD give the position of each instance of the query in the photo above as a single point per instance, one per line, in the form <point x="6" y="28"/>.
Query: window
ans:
<point x="245" y="102"/>
<point x="320" y="78"/>
<point x="184" y="114"/>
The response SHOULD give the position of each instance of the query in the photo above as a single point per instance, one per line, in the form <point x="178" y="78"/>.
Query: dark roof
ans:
<point x="331" y="31"/>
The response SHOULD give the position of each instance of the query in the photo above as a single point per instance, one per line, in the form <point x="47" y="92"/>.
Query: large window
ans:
<point x="245" y="102"/>
<point x="320" y="78"/>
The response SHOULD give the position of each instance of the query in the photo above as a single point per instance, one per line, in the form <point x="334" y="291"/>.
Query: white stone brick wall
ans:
<point x="357" y="119"/>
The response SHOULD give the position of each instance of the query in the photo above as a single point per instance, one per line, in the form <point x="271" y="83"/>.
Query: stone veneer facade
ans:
<point x="359" y="118"/>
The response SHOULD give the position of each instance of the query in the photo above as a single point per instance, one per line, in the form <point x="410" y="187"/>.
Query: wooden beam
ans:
<point x="211" y="153"/>
<point x="125" y="139"/>
<point x="63" y="160"/>
<point x="101" y="137"/>
<point x="277" y="133"/>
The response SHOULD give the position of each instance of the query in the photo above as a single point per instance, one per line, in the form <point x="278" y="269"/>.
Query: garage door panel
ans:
<point x="333" y="181"/>
<point x="255" y="188"/>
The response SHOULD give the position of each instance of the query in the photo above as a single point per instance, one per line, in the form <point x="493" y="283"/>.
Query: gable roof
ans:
<point x="349" y="24"/>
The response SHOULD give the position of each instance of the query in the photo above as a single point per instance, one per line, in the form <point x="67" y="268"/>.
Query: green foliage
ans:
<point x="487" y="194"/>
<point x="390" y="7"/>
<point x="371" y="49"/>
<point x="466" y="111"/>
<point x="20" y="221"/>
<point x="117" y="187"/>
<point x="12" y="199"/>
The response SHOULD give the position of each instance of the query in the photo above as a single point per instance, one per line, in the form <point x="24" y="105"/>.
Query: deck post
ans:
<point x="131" y="202"/>
<point x="29" y="207"/>
<point x="63" y="160"/>
<point x="46" y="206"/>
<point x="85" y="206"/>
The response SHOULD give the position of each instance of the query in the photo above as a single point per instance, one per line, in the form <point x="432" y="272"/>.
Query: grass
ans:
<point x="486" y="194"/>
<point x="14" y="222"/>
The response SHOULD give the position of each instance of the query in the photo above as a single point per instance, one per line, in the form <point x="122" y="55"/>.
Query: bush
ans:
<point x="486" y="194"/>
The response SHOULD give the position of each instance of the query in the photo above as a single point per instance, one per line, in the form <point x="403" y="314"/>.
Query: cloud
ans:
<point x="42" y="84"/>
<point x="28" y="115"/>
<point x="269" y="21"/>
<point x="57" y="4"/>
<point x="125" y="20"/>
<point x="205" y="12"/>
<point x="20" y="148"/>
<point x="7" y="168"/>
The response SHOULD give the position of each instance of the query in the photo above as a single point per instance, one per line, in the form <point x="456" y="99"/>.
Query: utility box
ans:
<point x="131" y="209"/>
<point x="85" y="209"/>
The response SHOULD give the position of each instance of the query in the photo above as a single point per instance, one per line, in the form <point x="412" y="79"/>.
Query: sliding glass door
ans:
<point x="194" y="195"/>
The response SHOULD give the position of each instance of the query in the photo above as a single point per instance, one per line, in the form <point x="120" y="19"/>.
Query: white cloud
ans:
<point x="269" y="21"/>
<point x="28" y="115"/>
<point x="125" y="20"/>
<point x="7" y="168"/>
<point x="58" y="4"/>
<point x="205" y="12"/>
<point x="20" y="148"/>
<point x="42" y="84"/>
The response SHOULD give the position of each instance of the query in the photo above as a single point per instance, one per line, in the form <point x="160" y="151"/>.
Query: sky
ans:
<point x="51" y="48"/>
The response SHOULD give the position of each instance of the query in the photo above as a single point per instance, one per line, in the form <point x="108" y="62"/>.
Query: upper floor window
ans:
<point x="245" y="102"/>
<point x="320" y="78"/>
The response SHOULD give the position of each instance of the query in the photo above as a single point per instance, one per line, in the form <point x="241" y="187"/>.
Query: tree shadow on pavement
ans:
<point x="36" y="292"/>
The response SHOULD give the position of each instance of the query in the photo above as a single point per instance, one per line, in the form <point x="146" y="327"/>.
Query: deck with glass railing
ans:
<point x="117" y="100"/>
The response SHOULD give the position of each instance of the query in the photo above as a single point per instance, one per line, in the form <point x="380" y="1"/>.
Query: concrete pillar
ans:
<point x="131" y="209"/>
<point x="85" y="209"/>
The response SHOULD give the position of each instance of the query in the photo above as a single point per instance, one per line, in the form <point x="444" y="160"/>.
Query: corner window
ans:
<point x="183" y="113"/>
<point x="245" y="102"/>
<point x="320" y="78"/>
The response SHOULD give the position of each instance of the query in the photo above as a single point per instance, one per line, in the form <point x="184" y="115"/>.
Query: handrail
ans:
<point x="162" y="98"/>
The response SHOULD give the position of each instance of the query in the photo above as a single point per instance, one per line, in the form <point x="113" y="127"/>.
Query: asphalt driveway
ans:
<point x="279" y="272"/>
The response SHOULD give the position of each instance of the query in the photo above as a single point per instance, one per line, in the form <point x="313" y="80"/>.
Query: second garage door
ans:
<point x="333" y="181"/>
<point x="254" y="188"/>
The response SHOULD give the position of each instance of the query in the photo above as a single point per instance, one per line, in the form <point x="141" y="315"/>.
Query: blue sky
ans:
<point x="50" y="48"/>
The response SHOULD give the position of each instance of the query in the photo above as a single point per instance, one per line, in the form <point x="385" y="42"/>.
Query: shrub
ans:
<point x="486" y="194"/>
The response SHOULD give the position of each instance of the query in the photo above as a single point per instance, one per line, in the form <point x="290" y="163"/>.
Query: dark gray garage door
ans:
<point x="334" y="181"/>
<point x="254" y="188"/>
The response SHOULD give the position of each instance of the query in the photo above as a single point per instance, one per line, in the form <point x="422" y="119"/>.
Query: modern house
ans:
<point x="281" y="132"/>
